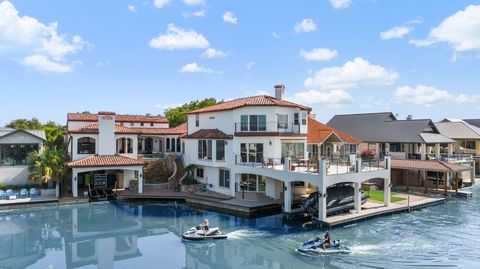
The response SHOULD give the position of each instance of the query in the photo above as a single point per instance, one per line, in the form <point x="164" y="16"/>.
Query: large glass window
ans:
<point x="295" y="119"/>
<point x="16" y="154"/>
<point x="251" y="182"/>
<point x="86" y="145"/>
<point x="220" y="152"/>
<point x="294" y="150"/>
<point x="470" y="145"/>
<point x="224" y="178"/>
<point x="396" y="147"/>
<point x="253" y="123"/>
<point x="282" y="121"/>
<point x="204" y="149"/>
<point x="199" y="172"/>
<point x="254" y="151"/>
<point x="124" y="145"/>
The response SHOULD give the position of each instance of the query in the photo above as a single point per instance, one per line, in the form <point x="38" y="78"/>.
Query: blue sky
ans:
<point x="142" y="56"/>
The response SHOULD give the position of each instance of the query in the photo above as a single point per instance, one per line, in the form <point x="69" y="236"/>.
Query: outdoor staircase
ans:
<point x="176" y="179"/>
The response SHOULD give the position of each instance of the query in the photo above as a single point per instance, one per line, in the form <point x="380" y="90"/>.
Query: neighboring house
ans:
<point x="259" y="146"/>
<point x="15" y="145"/>
<point x="388" y="136"/>
<point x="110" y="147"/>
<point x="468" y="138"/>
<point x="474" y="122"/>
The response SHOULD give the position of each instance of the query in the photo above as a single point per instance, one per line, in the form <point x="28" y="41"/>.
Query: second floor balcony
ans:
<point x="267" y="128"/>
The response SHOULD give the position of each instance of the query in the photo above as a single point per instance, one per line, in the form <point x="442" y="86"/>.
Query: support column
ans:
<point x="140" y="180"/>
<point x="125" y="148"/>
<point x="287" y="197"/>
<point x="446" y="183"/>
<point x="437" y="151"/>
<point x="438" y="179"/>
<point x="322" y="202"/>
<point x="450" y="150"/>
<point x="423" y="150"/>
<point x="408" y="174"/>
<point x="74" y="183"/>
<point x="386" y="191"/>
<point x="357" y="197"/>
<point x="456" y="182"/>
<point x="425" y="186"/>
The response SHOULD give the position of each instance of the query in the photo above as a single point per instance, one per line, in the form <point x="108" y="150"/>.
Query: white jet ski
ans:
<point x="198" y="233"/>
<point x="314" y="246"/>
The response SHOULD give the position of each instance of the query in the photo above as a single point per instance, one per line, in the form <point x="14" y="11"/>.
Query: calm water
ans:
<point x="148" y="236"/>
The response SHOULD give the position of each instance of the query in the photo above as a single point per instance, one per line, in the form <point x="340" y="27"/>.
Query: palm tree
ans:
<point x="189" y="169"/>
<point x="47" y="167"/>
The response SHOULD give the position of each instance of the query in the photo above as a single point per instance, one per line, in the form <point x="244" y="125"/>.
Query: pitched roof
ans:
<point x="458" y="130"/>
<point x="259" y="100"/>
<point x="118" y="117"/>
<point x="105" y="160"/>
<point x="474" y="122"/>
<point x="209" y="134"/>
<point x="437" y="166"/>
<point x="385" y="128"/>
<point x="319" y="132"/>
<point x="37" y="133"/>
<point x="119" y="129"/>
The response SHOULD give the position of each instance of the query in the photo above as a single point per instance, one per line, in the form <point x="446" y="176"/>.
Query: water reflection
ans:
<point x="149" y="236"/>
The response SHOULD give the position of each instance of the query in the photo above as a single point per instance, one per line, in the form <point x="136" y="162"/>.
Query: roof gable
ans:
<point x="260" y="100"/>
<point x="319" y="132"/>
<point x="40" y="134"/>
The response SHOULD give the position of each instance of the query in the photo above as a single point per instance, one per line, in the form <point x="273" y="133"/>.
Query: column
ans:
<point x="386" y="191"/>
<point x="387" y="149"/>
<point x="437" y="151"/>
<point x="74" y="183"/>
<point x="423" y="150"/>
<point x="322" y="202"/>
<point x="125" y="149"/>
<point x="287" y="198"/>
<point x="450" y="150"/>
<point x="377" y="150"/>
<point x="140" y="180"/>
<point x="357" y="197"/>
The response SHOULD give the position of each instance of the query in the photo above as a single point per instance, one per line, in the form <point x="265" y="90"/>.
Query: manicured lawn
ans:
<point x="378" y="196"/>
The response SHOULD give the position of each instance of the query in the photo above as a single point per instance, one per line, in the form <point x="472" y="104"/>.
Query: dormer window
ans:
<point x="197" y="120"/>
<point x="151" y="124"/>
<point x="141" y="124"/>
<point x="131" y="123"/>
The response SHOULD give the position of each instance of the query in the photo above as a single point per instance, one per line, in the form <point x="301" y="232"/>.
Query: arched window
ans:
<point x="124" y="145"/>
<point x="178" y="145"/>
<point x="86" y="145"/>
<point x="168" y="144"/>
<point x="173" y="144"/>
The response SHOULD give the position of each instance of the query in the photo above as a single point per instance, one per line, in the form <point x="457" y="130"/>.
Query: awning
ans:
<point x="435" y="166"/>
<point x="431" y="138"/>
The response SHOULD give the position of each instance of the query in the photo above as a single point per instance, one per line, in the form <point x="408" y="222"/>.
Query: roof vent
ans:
<point x="410" y="117"/>
<point x="279" y="91"/>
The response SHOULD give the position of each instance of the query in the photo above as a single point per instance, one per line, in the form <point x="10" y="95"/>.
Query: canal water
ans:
<point x="146" y="235"/>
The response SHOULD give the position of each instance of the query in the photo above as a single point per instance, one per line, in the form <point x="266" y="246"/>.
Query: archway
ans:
<point x="148" y="145"/>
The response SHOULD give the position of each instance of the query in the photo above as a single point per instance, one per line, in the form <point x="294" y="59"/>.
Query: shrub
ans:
<point x="368" y="154"/>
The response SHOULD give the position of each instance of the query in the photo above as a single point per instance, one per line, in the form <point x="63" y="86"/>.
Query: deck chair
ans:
<point x="33" y="192"/>
<point x="23" y="193"/>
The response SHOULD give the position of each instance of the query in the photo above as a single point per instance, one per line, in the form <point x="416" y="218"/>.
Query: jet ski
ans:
<point x="198" y="233"/>
<point x="314" y="246"/>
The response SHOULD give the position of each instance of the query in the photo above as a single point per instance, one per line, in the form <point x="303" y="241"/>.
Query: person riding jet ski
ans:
<point x="323" y="245"/>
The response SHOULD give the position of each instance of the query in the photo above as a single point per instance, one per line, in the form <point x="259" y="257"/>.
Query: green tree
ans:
<point x="25" y="124"/>
<point x="48" y="166"/>
<point x="176" y="115"/>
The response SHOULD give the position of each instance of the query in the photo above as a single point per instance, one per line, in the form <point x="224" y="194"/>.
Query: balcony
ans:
<point x="267" y="128"/>
<point x="311" y="166"/>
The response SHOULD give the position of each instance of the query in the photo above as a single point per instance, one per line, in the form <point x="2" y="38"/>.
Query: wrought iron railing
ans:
<point x="276" y="127"/>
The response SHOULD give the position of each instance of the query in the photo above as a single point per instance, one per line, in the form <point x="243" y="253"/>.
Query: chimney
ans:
<point x="410" y="117"/>
<point x="279" y="91"/>
<point x="106" y="143"/>
<point x="312" y="115"/>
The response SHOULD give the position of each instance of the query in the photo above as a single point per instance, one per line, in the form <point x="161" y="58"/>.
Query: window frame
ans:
<point x="222" y="144"/>
<point x="224" y="178"/>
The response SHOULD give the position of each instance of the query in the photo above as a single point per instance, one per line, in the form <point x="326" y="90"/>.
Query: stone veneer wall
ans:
<point x="158" y="171"/>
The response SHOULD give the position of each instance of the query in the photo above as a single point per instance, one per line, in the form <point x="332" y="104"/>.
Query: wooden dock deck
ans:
<point x="375" y="209"/>
<point x="238" y="207"/>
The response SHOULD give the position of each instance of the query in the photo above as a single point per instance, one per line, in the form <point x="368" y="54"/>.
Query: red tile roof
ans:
<point x="319" y="132"/>
<point x="105" y="160"/>
<point x="437" y="166"/>
<point x="260" y="100"/>
<point x="209" y="134"/>
<point x="119" y="129"/>
<point x="118" y="118"/>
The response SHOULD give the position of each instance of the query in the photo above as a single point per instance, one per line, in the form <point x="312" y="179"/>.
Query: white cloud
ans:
<point x="195" y="68"/>
<point x="40" y="45"/>
<point x="275" y="35"/>
<point x="230" y="18"/>
<point x="132" y="8"/>
<point x="161" y="3"/>
<point x="421" y="95"/>
<point x="198" y="13"/>
<point x="194" y="2"/>
<point x="318" y="54"/>
<point x="249" y="65"/>
<point x="339" y="4"/>
<point x="43" y="63"/>
<point x="333" y="97"/>
<point x="306" y="25"/>
<point x="413" y="21"/>
<point x="178" y="38"/>
<point x="461" y="31"/>
<point x="463" y="99"/>
<point x="213" y="53"/>
<point x="351" y="74"/>
<point x="395" y="32"/>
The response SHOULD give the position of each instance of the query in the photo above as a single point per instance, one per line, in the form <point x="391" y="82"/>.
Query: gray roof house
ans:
<point x="15" y="145"/>
<point x="384" y="133"/>
<point x="474" y="122"/>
